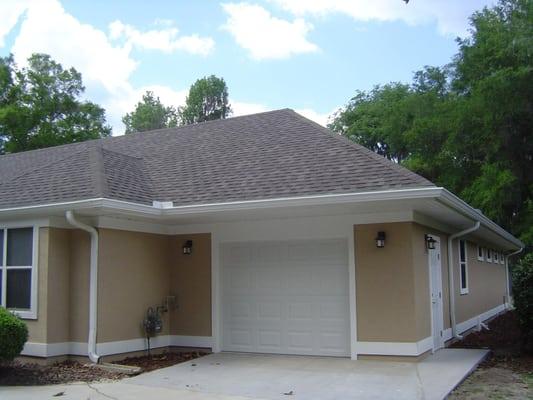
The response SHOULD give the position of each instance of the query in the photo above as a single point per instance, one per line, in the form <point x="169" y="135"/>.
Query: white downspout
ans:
<point x="507" y="288"/>
<point x="451" y="284"/>
<point x="93" y="284"/>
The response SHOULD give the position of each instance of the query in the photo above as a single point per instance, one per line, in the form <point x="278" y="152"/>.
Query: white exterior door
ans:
<point x="435" y="276"/>
<point x="286" y="297"/>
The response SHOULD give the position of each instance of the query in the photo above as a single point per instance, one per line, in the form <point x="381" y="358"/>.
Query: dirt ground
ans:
<point x="18" y="374"/>
<point x="507" y="373"/>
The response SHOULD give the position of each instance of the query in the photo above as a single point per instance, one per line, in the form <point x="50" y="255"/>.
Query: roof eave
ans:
<point x="142" y="210"/>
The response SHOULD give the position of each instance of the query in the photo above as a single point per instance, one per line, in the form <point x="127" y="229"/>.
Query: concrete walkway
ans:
<point x="272" y="377"/>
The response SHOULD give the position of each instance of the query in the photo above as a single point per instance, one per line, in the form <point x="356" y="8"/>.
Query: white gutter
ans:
<point x="507" y="280"/>
<point x="451" y="283"/>
<point x="93" y="284"/>
<point x="162" y="213"/>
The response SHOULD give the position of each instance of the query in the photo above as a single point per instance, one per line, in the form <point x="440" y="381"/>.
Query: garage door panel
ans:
<point x="288" y="298"/>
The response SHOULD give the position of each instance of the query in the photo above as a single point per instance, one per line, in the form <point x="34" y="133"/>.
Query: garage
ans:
<point x="286" y="297"/>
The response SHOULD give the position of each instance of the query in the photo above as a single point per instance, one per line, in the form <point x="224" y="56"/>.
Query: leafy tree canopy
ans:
<point x="207" y="100"/>
<point x="467" y="126"/>
<point x="40" y="106"/>
<point x="150" y="114"/>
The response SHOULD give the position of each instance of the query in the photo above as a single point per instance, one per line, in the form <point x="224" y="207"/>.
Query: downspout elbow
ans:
<point x="451" y="283"/>
<point x="93" y="284"/>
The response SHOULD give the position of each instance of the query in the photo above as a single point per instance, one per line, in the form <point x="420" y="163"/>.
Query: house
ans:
<point x="264" y="233"/>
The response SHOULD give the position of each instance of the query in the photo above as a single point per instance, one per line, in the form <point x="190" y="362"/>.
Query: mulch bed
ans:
<point x="18" y="374"/>
<point x="68" y="371"/>
<point x="149" y="363"/>
<point x="504" y="340"/>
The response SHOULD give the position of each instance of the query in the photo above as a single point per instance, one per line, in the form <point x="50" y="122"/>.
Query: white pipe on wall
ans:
<point x="451" y="283"/>
<point x="93" y="284"/>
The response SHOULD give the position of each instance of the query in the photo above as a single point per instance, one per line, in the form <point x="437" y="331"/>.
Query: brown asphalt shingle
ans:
<point x="261" y="156"/>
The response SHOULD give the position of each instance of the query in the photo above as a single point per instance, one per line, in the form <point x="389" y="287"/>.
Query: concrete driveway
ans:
<point x="255" y="376"/>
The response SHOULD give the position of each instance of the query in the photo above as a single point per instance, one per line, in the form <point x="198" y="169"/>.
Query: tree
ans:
<point x="150" y="114"/>
<point x="207" y="100"/>
<point x="40" y="106"/>
<point x="467" y="126"/>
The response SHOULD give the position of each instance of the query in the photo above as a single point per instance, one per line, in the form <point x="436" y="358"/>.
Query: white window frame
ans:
<point x="31" y="313"/>
<point x="461" y="264"/>
<point x="489" y="255"/>
<point x="482" y="256"/>
<point x="495" y="257"/>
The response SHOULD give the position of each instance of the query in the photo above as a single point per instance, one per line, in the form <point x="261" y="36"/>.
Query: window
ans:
<point x="17" y="277"/>
<point x="480" y="253"/>
<point x="495" y="257"/>
<point x="463" y="268"/>
<point x="502" y="258"/>
<point x="489" y="255"/>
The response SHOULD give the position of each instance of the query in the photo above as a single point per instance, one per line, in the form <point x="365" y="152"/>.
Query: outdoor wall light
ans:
<point x="187" y="247"/>
<point x="380" y="240"/>
<point x="430" y="242"/>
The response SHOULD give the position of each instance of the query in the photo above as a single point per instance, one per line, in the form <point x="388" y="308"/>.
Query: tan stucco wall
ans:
<point x="486" y="284"/>
<point x="191" y="284"/>
<point x="133" y="274"/>
<point x="385" y="284"/>
<point x="58" y="306"/>
<point x="80" y="251"/>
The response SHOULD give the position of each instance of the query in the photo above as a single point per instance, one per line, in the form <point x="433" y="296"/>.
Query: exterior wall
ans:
<point x="80" y="252"/>
<point x="37" y="327"/>
<point x="190" y="282"/>
<point x="58" y="305"/>
<point x="385" y="284"/>
<point x="138" y="270"/>
<point x="133" y="275"/>
<point x="486" y="284"/>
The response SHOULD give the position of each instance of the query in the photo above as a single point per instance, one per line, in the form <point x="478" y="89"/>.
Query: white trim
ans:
<point x="438" y="193"/>
<point x="35" y="225"/>
<point x="474" y="321"/>
<point x="463" y="290"/>
<point x="411" y="349"/>
<point x="353" y="298"/>
<point x="108" y="348"/>
<point x="191" y="341"/>
<point x="441" y="298"/>
<point x="482" y="256"/>
<point x="489" y="255"/>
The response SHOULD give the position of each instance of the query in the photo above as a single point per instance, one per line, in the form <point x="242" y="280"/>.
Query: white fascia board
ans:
<point x="328" y="199"/>
<point x="461" y="206"/>
<point x="432" y="192"/>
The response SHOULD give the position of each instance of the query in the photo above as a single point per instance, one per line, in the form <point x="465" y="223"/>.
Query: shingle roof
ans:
<point x="261" y="156"/>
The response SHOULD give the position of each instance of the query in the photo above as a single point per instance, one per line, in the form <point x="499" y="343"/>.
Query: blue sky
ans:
<point x="307" y="55"/>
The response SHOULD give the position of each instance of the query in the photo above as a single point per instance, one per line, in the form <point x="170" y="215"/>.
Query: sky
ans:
<point x="308" y="55"/>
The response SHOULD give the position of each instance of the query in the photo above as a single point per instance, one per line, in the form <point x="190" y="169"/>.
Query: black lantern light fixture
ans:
<point x="430" y="242"/>
<point x="187" y="247"/>
<point x="380" y="240"/>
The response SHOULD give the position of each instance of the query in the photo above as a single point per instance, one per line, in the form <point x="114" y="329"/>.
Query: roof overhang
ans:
<point x="434" y="202"/>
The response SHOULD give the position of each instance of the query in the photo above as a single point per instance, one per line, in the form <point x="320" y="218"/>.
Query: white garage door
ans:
<point x="286" y="298"/>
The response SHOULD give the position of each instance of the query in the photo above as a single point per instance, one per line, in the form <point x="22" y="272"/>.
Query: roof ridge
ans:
<point x="367" y="152"/>
<point x="98" y="175"/>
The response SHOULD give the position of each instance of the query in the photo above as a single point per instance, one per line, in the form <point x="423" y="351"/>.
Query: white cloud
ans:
<point x="319" y="118"/>
<point x="166" y="40"/>
<point x="265" y="36"/>
<point x="451" y="16"/>
<point x="11" y="13"/>
<point x="106" y="66"/>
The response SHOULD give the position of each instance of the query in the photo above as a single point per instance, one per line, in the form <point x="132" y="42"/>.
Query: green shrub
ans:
<point x="13" y="335"/>
<point x="522" y="275"/>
